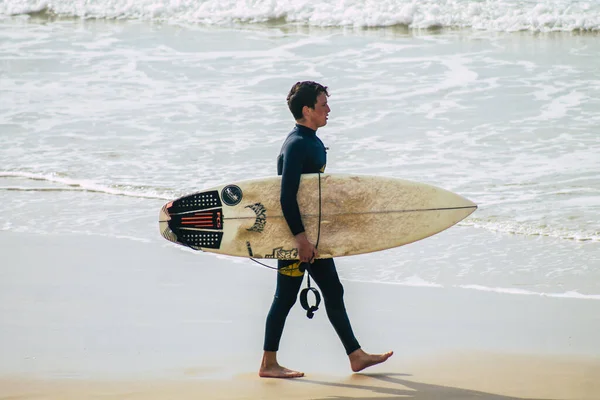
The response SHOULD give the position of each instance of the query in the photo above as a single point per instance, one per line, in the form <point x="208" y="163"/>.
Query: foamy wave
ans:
<point x="538" y="16"/>
<point x="78" y="185"/>
<point x="517" y="228"/>
<point x="570" y="294"/>
<point x="415" y="281"/>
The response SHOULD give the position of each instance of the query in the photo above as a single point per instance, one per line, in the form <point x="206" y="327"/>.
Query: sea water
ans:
<point x="109" y="109"/>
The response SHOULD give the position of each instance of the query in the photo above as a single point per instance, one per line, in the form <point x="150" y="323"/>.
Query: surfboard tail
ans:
<point x="199" y="230"/>
<point x="163" y="223"/>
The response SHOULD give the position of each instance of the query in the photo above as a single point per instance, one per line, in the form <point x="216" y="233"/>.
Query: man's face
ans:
<point x="318" y="115"/>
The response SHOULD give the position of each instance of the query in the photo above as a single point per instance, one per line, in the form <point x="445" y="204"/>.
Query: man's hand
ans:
<point x="307" y="251"/>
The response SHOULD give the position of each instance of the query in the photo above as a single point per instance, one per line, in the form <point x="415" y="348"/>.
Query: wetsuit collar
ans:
<point x="305" y="130"/>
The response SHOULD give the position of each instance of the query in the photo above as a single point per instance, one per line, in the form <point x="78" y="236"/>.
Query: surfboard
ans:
<point x="345" y="214"/>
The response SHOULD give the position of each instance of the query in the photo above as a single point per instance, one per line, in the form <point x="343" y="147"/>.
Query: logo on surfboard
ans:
<point x="280" y="253"/>
<point x="261" y="217"/>
<point x="212" y="219"/>
<point x="231" y="195"/>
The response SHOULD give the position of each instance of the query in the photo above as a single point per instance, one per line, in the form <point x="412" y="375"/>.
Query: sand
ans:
<point x="92" y="317"/>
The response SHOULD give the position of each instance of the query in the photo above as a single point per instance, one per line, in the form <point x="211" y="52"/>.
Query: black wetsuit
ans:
<point x="303" y="153"/>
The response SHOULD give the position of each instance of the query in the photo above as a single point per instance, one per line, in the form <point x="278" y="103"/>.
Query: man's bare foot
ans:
<point x="278" y="372"/>
<point x="270" y="368"/>
<point x="360" y="360"/>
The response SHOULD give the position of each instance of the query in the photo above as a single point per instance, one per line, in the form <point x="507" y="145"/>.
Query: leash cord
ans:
<point x="318" y="236"/>
<point x="318" y="233"/>
<point x="310" y="310"/>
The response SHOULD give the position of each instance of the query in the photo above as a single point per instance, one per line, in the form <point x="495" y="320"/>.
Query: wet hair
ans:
<point x="304" y="94"/>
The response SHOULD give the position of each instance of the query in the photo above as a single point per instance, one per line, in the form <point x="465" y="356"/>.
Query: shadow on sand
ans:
<point x="409" y="390"/>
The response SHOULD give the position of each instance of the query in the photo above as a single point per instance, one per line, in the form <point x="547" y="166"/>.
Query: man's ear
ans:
<point x="305" y="111"/>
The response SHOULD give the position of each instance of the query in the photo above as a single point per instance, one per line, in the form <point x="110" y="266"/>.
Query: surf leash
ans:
<point x="310" y="310"/>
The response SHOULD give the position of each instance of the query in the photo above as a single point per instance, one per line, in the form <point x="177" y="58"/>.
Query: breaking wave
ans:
<point x="495" y="15"/>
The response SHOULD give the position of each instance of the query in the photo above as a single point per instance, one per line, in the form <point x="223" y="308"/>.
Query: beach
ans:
<point x="110" y="110"/>
<point x="98" y="317"/>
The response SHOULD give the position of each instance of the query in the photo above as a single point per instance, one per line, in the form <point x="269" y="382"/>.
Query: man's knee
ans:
<point x="334" y="292"/>
<point x="284" y="301"/>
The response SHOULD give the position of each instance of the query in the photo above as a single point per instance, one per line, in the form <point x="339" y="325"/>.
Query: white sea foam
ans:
<point x="546" y="15"/>
<point x="415" y="281"/>
<point x="83" y="185"/>
<point x="569" y="294"/>
<point x="560" y="106"/>
<point x="532" y="229"/>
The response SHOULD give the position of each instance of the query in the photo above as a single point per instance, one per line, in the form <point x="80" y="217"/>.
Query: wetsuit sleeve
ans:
<point x="293" y="161"/>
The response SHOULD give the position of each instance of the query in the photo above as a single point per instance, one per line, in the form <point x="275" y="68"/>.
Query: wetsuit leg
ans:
<point x="288" y="285"/>
<point x="325" y="275"/>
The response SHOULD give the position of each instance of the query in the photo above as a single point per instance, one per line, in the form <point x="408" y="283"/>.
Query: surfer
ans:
<point x="303" y="152"/>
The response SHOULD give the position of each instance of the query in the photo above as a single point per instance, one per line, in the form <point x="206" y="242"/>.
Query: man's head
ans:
<point x="308" y="103"/>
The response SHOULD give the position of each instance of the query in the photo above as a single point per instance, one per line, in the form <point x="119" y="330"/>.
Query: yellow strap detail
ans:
<point x="292" y="270"/>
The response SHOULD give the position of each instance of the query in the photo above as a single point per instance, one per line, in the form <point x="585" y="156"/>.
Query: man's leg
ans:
<point x="325" y="275"/>
<point x="289" y="280"/>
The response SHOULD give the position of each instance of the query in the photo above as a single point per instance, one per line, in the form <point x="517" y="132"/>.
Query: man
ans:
<point x="303" y="152"/>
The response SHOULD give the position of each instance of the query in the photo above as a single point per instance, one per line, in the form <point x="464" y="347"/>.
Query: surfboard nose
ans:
<point x="163" y="223"/>
<point x="469" y="204"/>
<point x="466" y="208"/>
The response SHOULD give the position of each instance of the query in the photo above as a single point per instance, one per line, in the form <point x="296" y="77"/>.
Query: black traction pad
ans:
<point x="196" y="201"/>
<point x="208" y="240"/>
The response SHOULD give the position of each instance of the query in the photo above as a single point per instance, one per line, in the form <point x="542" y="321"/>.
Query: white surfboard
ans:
<point x="347" y="214"/>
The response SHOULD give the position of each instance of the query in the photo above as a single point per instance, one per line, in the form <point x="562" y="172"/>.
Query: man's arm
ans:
<point x="293" y="159"/>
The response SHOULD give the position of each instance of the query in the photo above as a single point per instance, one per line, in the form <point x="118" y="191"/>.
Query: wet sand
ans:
<point x="97" y="317"/>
